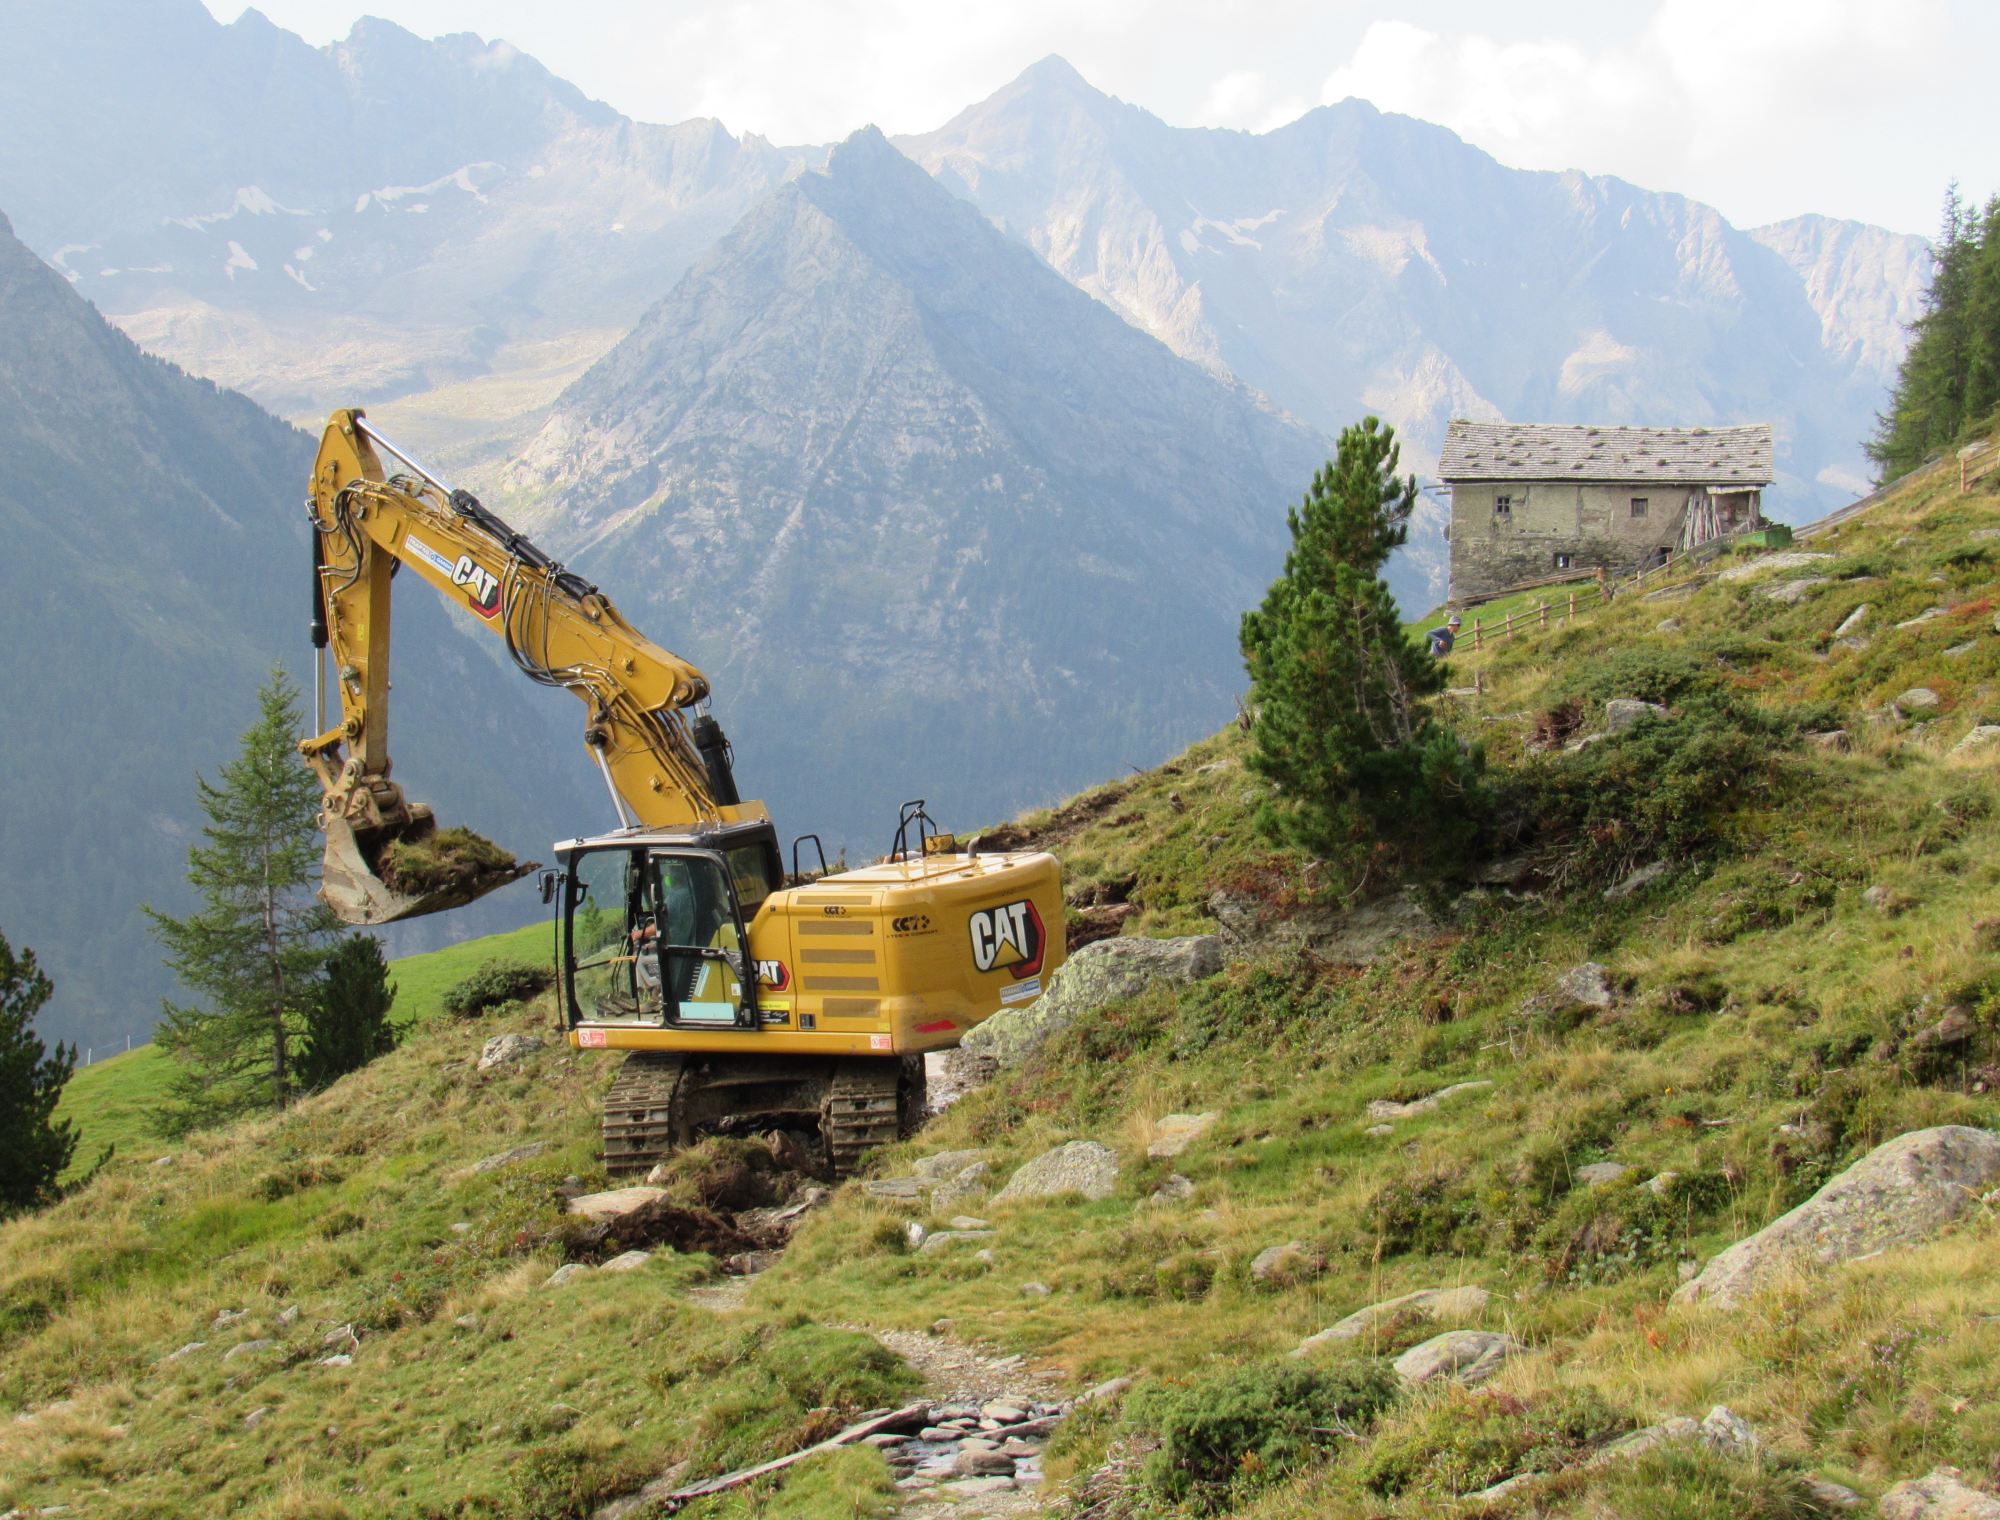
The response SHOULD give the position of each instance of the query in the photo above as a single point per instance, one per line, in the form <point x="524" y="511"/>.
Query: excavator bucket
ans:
<point x="420" y="870"/>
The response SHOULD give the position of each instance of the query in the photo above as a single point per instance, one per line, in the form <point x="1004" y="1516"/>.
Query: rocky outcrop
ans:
<point x="1899" y="1194"/>
<point x="1106" y="972"/>
<point x="1354" y="936"/>
<point x="1082" y="1167"/>
<point x="1464" y="1356"/>
<point x="1174" y="1133"/>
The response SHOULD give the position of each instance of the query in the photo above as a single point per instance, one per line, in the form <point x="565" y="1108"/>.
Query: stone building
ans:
<point x="1530" y="500"/>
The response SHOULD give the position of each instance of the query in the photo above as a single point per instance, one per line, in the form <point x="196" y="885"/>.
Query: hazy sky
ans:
<point x="1764" y="108"/>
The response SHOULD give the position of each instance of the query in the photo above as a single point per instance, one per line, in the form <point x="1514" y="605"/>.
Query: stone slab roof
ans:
<point x="1738" y="456"/>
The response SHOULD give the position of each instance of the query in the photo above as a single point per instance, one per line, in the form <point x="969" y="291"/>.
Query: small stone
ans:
<point x="1916" y="699"/>
<point x="915" y="1234"/>
<point x="1667" y="625"/>
<point x="467" y="1322"/>
<point x="1005" y="1413"/>
<point x="614" y="1203"/>
<point x="1943" y="1494"/>
<point x="1923" y="617"/>
<point x="1645" y="876"/>
<point x="1724" y="1432"/>
<point x="1017" y="1449"/>
<point x="505" y="1049"/>
<point x="967" y="1222"/>
<point x="1377" y="1131"/>
<point x="1601" y="1173"/>
<point x="288" y="1316"/>
<point x="630" y="1261"/>
<point x="983" y="1257"/>
<point x="1465" y="1356"/>
<point x="508" y="1158"/>
<point x="1621" y="713"/>
<point x="565" y="1275"/>
<point x="1978" y="739"/>
<point x="1880" y="898"/>
<point x="942" y="1238"/>
<point x="931" y="1170"/>
<point x="340" y="1359"/>
<point x="247" y="1348"/>
<point x="1294" y="1261"/>
<point x="1853" y="622"/>
<point x="224" y="1318"/>
<point x="750" y="1263"/>
<point x="1442" y="1304"/>
<point x="1034" y="1290"/>
<point x="1504" y="1488"/>
<point x="1960" y="651"/>
<point x="1662" y="1183"/>
<point x="256" y="1417"/>
<point x="460" y="1227"/>
<point x="344" y="1336"/>
<point x="1104" y="1392"/>
<point x="974" y="1181"/>
<point x="1389" y="1108"/>
<point x="1176" y="1189"/>
<point x="1790" y="593"/>
<point x="185" y="1352"/>
<point x="972" y="1488"/>
<point x="982" y="1464"/>
<point x="163" y="1161"/>
<point x="1830" y="1495"/>
<point x="896" y="1189"/>
<point x="1174" y="1133"/>
<point x="1586" y="985"/>
<point x="1834" y="740"/>
<point x="1639" y="1442"/>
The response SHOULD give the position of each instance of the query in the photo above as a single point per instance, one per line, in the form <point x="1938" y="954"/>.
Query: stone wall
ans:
<point x="1595" y="525"/>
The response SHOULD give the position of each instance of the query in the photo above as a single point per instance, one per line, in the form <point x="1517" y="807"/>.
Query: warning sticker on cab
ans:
<point x="590" y="1039"/>
<point x="1022" y="992"/>
<point x="881" y="1042"/>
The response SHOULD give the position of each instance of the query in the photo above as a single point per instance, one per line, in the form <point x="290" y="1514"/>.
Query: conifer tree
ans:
<point x="35" y="1146"/>
<point x="254" y="951"/>
<point x="1949" y="381"/>
<point x="1341" y="725"/>
<point x="349" y="1023"/>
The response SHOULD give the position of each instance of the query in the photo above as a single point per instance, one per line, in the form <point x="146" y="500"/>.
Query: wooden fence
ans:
<point x="1542" y="615"/>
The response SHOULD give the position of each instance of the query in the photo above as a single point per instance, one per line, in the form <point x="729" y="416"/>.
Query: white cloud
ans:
<point x="1708" y="97"/>
<point x="1248" y="101"/>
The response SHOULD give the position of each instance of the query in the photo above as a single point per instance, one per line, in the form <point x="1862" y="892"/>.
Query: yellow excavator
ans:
<point x="744" y="997"/>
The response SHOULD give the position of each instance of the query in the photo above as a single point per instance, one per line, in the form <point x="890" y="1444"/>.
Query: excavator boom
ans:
<point x="386" y="859"/>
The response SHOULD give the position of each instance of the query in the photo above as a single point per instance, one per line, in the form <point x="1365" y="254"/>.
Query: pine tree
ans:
<point x="35" y="1146"/>
<point x="349" y="1023"/>
<point x="1341" y="724"/>
<point x="1950" y="378"/>
<point x="255" y="949"/>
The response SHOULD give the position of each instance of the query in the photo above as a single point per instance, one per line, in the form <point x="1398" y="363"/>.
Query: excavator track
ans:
<point x="660" y="1101"/>
<point x="870" y="1102"/>
<point x="644" y="1113"/>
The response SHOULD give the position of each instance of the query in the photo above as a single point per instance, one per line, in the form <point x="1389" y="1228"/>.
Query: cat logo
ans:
<point x="481" y="586"/>
<point x="1009" y="936"/>
<point x="773" y="976"/>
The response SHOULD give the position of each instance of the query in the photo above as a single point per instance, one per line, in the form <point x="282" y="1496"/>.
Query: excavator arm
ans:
<point x="664" y="768"/>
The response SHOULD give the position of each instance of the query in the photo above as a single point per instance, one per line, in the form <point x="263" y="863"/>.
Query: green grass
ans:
<point x="1765" y="1037"/>
<point x="111" y="1102"/>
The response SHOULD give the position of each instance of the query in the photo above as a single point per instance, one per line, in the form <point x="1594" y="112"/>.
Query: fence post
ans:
<point x="1542" y="613"/>
<point x="1572" y="606"/>
<point x="1477" y="641"/>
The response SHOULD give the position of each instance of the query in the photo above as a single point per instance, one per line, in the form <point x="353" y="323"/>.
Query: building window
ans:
<point x="1503" y="506"/>
<point x="1562" y="561"/>
<point x="1638" y="506"/>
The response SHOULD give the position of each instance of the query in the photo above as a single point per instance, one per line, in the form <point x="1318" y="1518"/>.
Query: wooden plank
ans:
<point x="856" y="1432"/>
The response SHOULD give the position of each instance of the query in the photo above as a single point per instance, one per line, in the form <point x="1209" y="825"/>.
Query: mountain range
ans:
<point x="954" y="460"/>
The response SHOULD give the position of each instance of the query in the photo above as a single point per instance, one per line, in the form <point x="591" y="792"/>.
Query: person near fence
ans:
<point x="1443" y="638"/>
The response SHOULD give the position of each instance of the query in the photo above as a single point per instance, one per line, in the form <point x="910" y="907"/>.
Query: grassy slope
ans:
<point x="346" y="1206"/>
<point x="111" y="1102"/>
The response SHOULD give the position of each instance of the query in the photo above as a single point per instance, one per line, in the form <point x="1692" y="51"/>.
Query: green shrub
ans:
<point x="497" y="982"/>
<point x="1232" y="1434"/>
<point x="1689" y="1483"/>
<point x="1467" y="1441"/>
<point x="1431" y="1213"/>
<point x="561" y="1480"/>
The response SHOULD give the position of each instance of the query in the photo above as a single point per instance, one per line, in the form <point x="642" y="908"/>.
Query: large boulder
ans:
<point x="1082" y="1166"/>
<point x="1898" y="1194"/>
<point x="1106" y="972"/>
